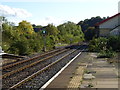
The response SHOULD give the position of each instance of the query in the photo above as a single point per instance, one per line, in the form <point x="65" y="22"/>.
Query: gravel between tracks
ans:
<point x="10" y="81"/>
<point x="28" y="62"/>
<point x="46" y="75"/>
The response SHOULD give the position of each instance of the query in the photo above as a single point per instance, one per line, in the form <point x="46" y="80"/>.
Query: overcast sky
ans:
<point x="42" y="12"/>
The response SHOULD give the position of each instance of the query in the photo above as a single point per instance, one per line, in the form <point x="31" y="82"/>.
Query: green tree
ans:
<point x="88" y="26"/>
<point x="70" y="33"/>
<point x="51" y="30"/>
<point x="90" y="33"/>
<point x="25" y="27"/>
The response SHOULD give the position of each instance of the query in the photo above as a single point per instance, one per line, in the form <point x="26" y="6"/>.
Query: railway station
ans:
<point x="59" y="45"/>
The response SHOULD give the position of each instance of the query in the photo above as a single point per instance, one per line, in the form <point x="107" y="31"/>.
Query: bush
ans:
<point x="106" y="47"/>
<point x="96" y="45"/>
<point x="114" y="42"/>
<point x="106" y="54"/>
<point x="19" y="47"/>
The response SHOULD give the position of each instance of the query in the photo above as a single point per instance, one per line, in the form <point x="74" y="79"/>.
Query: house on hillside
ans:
<point x="109" y="26"/>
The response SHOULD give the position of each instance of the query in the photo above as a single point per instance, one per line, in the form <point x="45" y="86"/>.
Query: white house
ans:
<point x="109" y="26"/>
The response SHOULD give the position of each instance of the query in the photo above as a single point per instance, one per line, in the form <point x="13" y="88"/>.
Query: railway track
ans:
<point x="20" y="76"/>
<point x="19" y="66"/>
<point x="29" y="59"/>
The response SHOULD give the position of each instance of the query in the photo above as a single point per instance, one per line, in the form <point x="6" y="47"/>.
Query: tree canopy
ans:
<point x="23" y="40"/>
<point x="88" y="27"/>
<point x="25" y="27"/>
<point x="70" y="32"/>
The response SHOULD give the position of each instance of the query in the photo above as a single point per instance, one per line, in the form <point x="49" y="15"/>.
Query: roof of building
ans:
<point x="39" y="29"/>
<point x="106" y="20"/>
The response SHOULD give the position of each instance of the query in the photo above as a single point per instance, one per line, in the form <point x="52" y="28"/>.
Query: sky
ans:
<point x="44" y="12"/>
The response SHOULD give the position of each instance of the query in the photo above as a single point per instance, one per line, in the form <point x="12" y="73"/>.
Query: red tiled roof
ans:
<point x="106" y="19"/>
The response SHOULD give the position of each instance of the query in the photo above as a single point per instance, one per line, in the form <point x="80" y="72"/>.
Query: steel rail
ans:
<point x="30" y="59"/>
<point x="40" y="71"/>
<point x="30" y="65"/>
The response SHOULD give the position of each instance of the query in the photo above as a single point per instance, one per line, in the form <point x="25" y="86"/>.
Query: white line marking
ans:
<point x="47" y="83"/>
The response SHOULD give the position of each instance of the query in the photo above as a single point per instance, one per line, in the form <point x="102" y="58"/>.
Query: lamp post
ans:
<point x="1" y="22"/>
<point x="0" y="25"/>
<point x="1" y="30"/>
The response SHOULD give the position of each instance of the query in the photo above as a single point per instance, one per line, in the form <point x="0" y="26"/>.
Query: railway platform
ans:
<point x="105" y="75"/>
<point x="62" y="81"/>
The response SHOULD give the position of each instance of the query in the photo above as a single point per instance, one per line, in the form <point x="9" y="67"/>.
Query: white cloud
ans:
<point x="54" y="20"/>
<point x="16" y="12"/>
<point x="50" y="20"/>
